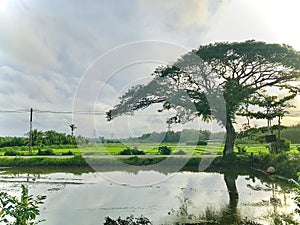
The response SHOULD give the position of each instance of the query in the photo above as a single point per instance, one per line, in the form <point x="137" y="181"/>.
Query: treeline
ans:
<point x="184" y="136"/>
<point x="51" y="137"/>
<point x="13" y="141"/>
<point x="41" y="138"/>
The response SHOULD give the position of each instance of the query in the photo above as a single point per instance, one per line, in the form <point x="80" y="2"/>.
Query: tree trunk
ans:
<point x="230" y="137"/>
<point x="231" y="215"/>
<point x="279" y="124"/>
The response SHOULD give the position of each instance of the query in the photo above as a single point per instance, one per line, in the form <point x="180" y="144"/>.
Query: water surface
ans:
<point x="90" y="197"/>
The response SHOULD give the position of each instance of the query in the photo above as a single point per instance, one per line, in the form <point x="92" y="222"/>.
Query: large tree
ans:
<point x="214" y="82"/>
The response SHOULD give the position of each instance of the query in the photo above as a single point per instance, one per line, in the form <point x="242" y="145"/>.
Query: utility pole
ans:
<point x="30" y="131"/>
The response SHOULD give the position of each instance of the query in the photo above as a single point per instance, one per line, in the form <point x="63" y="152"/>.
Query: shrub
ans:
<point x="23" y="148"/>
<point x="11" y="153"/>
<point x="241" y="149"/>
<point x="67" y="153"/>
<point x="45" y="152"/>
<point x="203" y="143"/>
<point x="164" y="150"/>
<point x="126" y="151"/>
<point x="131" y="151"/>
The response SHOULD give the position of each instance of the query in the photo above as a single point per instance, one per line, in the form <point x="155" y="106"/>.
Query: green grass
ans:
<point x="148" y="148"/>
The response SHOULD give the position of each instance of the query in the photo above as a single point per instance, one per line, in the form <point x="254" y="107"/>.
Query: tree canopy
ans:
<point x="215" y="82"/>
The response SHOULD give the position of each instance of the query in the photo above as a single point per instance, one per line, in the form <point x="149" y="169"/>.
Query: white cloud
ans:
<point x="45" y="47"/>
<point x="22" y="41"/>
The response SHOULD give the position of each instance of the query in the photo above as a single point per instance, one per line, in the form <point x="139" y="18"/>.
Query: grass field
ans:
<point x="148" y="148"/>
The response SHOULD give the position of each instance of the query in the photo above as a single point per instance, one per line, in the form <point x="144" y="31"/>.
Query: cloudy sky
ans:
<point x="56" y="53"/>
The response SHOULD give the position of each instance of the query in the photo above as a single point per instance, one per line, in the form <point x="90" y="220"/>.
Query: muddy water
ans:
<point x="90" y="197"/>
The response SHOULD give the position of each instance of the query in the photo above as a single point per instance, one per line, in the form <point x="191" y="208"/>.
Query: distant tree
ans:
<point x="194" y="88"/>
<point x="13" y="141"/>
<point x="51" y="137"/>
<point x="269" y="108"/>
<point x="37" y="137"/>
<point x="171" y="137"/>
<point x="73" y="127"/>
<point x="164" y="150"/>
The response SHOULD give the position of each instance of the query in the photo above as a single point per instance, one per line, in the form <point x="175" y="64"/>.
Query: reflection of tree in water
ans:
<point x="229" y="214"/>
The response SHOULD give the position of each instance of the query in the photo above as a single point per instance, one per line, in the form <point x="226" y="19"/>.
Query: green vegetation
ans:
<point x="147" y="148"/>
<point x="43" y="162"/>
<point x="175" y="137"/>
<point x="285" y="165"/>
<point x="20" y="212"/>
<point x="45" y="152"/>
<point x="131" y="151"/>
<point x="164" y="150"/>
<point x="13" y="141"/>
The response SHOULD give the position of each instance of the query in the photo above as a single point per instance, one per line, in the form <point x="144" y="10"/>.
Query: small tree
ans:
<point x="23" y="211"/>
<point x="269" y="108"/>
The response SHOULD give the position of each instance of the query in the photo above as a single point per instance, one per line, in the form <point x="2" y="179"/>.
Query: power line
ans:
<point x="70" y="112"/>
<point x="51" y="112"/>
<point x="14" y="111"/>
<point x="39" y="111"/>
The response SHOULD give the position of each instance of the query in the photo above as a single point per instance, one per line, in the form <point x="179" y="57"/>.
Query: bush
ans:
<point x="45" y="152"/>
<point x="11" y="153"/>
<point x="241" y="149"/>
<point x="203" y="143"/>
<point x="67" y="153"/>
<point x="131" y="151"/>
<point x="164" y="150"/>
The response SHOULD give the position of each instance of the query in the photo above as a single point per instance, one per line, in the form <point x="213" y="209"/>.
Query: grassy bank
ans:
<point x="284" y="164"/>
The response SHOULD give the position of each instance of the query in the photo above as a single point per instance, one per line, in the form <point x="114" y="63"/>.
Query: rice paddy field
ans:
<point x="148" y="148"/>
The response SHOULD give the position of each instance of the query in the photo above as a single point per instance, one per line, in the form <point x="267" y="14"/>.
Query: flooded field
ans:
<point x="164" y="198"/>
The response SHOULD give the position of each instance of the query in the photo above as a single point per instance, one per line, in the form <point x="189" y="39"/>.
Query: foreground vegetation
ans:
<point x="23" y="211"/>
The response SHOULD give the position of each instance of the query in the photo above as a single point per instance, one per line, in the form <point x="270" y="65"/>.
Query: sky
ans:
<point x="59" y="56"/>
